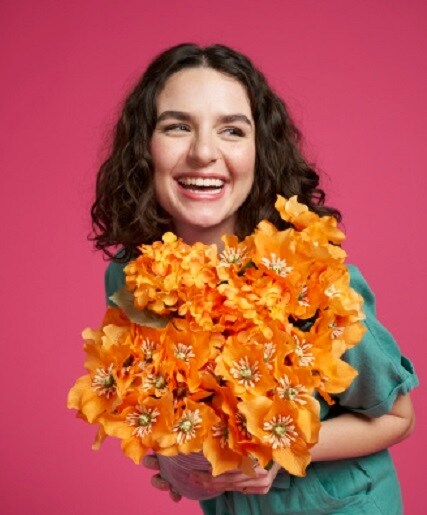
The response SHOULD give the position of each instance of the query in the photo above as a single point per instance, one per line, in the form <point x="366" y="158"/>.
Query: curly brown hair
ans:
<point x="125" y="212"/>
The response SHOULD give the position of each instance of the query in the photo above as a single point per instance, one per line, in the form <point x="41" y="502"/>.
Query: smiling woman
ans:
<point x="203" y="151"/>
<point x="199" y="113"/>
<point x="203" y="147"/>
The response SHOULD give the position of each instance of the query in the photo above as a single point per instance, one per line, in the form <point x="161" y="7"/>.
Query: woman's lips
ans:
<point x="204" y="188"/>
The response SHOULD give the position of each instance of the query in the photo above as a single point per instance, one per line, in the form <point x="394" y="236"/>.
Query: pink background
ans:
<point x="355" y="78"/>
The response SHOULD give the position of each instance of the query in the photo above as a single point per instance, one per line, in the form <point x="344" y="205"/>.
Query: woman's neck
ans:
<point x="207" y="235"/>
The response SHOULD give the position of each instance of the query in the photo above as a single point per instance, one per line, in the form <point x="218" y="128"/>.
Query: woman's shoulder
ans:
<point x="114" y="277"/>
<point x="359" y="283"/>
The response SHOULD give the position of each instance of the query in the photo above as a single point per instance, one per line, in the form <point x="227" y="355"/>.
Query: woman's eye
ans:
<point x="176" y="127"/>
<point x="233" y="131"/>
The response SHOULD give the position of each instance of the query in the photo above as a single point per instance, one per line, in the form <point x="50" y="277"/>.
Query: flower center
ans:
<point x="246" y="373"/>
<point x="109" y="381"/>
<point x="184" y="352"/>
<point x="144" y="419"/>
<point x="104" y="382"/>
<point x="156" y="381"/>
<point x="277" y="265"/>
<point x="185" y="426"/>
<point x="232" y="256"/>
<point x="280" y="431"/>
<point x="160" y="382"/>
<point x="302" y="352"/>
<point x="291" y="394"/>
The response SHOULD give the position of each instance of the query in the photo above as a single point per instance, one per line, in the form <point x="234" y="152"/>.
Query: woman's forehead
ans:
<point x="198" y="90"/>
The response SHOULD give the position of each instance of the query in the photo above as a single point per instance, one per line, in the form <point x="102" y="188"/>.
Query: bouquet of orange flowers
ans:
<point x="224" y="353"/>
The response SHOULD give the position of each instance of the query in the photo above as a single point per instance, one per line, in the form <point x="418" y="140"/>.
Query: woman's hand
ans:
<point x="151" y="462"/>
<point x="237" y="481"/>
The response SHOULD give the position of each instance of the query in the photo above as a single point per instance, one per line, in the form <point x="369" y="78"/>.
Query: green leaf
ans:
<point x="124" y="300"/>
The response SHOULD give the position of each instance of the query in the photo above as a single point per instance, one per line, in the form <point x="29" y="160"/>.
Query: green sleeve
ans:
<point x="114" y="280"/>
<point x="383" y="373"/>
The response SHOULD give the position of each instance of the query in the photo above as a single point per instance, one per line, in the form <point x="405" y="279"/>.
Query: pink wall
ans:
<point x="354" y="75"/>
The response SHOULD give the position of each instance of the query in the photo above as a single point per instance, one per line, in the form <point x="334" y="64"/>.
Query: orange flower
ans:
<point x="243" y="367"/>
<point x="199" y="267"/>
<point x="105" y="385"/>
<point x="335" y="374"/>
<point x="296" y="385"/>
<point x="295" y="213"/>
<point x="166" y="270"/>
<point x="274" y="251"/>
<point x="235" y="254"/>
<point x="224" y="445"/>
<point x="286" y="432"/>
<point x="145" y="423"/>
<point x="187" y="352"/>
<point x="225" y="352"/>
<point x="191" y="427"/>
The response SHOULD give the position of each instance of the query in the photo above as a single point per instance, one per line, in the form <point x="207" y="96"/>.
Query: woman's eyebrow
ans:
<point x="231" y="118"/>
<point x="186" y="117"/>
<point x="177" y="115"/>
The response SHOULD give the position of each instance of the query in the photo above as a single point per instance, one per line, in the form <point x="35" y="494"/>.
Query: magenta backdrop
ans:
<point x="355" y="78"/>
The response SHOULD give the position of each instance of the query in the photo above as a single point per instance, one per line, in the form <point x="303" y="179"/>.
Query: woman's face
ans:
<point x="203" y="150"/>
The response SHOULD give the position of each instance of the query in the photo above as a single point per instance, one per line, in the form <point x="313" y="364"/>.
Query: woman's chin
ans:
<point x="208" y="226"/>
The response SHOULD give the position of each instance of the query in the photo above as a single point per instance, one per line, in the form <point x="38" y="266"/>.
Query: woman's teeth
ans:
<point x="201" y="183"/>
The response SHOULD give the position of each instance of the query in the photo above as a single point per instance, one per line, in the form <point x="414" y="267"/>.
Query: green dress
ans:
<point x="366" y="485"/>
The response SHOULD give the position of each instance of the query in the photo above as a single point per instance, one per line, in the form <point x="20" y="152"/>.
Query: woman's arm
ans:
<point x="351" y="435"/>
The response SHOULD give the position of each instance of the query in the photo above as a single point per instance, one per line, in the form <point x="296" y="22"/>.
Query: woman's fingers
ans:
<point x="158" y="482"/>
<point x="174" y="496"/>
<point x="161" y="484"/>
<point x="237" y="481"/>
<point x="151" y="462"/>
<point x="232" y="475"/>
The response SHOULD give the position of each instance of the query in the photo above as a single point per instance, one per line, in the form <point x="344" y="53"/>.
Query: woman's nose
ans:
<point x="203" y="150"/>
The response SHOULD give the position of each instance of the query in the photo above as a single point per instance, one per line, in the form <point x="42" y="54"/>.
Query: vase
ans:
<point x="176" y="471"/>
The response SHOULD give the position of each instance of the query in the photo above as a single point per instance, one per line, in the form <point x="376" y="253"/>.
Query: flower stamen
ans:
<point x="156" y="381"/>
<point x="332" y="291"/>
<point x="221" y="431"/>
<point x="246" y="374"/>
<point x="241" y="425"/>
<point x="104" y="382"/>
<point x="277" y="265"/>
<point x="232" y="256"/>
<point x="303" y="296"/>
<point x="148" y="347"/>
<point x="187" y="426"/>
<point x="281" y="431"/>
<point x="184" y="352"/>
<point x="268" y="352"/>
<point x="337" y="331"/>
<point x="291" y="392"/>
<point x="302" y="352"/>
<point x="143" y="420"/>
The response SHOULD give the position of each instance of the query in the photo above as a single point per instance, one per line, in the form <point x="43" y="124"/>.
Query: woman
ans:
<point x="202" y="148"/>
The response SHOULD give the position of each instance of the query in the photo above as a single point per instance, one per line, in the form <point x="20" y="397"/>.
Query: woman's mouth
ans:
<point x="201" y="184"/>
